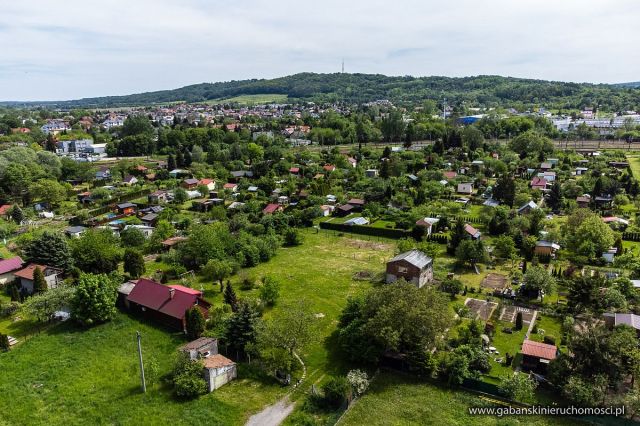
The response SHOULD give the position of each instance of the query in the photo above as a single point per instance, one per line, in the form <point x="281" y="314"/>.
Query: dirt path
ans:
<point x="275" y="414"/>
<point x="272" y="415"/>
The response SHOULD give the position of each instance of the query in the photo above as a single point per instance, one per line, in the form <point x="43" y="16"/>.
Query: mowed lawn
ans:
<point x="634" y="165"/>
<point x="67" y="375"/>
<point x="395" y="399"/>
<point x="70" y="376"/>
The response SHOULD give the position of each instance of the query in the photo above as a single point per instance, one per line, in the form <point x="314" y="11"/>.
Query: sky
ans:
<point x="59" y="50"/>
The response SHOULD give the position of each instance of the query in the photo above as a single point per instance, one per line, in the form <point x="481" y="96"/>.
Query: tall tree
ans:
<point x="195" y="323"/>
<point x="39" y="283"/>
<point x="94" y="300"/>
<point x="50" y="248"/>
<point x="133" y="263"/>
<point x="505" y="190"/>
<point x="230" y="297"/>
<point x="555" y="197"/>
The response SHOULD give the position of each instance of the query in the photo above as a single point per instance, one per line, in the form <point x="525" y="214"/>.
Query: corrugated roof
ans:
<point x="540" y="350"/>
<point x="414" y="257"/>
<point x="8" y="265"/>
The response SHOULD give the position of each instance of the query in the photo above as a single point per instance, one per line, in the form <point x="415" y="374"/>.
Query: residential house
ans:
<point x="149" y="219"/>
<point x="103" y="173"/>
<point x="546" y="248"/>
<point x="329" y="168"/>
<point x="352" y="161"/>
<point x="527" y="208"/>
<point x="536" y="356"/>
<point x="231" y="187"/>
<point x="158" y="197"/>
<point x="449" y="175"/>
<point x="295" y="171"/>
<point x="581" y="171"/>
<point x="8" y="267"/>
<point x="190" y="183"/>
<point x="201" y="348"/>
<point x="491" y="203"/>
<point x="546" y="166"/>
<point x="326" y="210"/>
<point x="465" y="188"/>
<point x="165" y="304"/>
<point x="74" y="231"/>
<point x="539" y="183"/>
<point x="371" y="173"/>
<point x="146" y="230"/>
<point x="427" y="223"/>
<point x="51" y="276"/>
<point x="604" y="200"/>
<point x="357" y="203"/>
<point x="583" y="201"/>
<point x="171" y="242"/>
<point x="218" y="371"/>
<point x="272" y="208"/>
<point x="129" y="180"/>
<point x="548" y="175"/>
<point x="616" y="222"/>
<point x="609" y="254"/>
<point x="413" y="265"/>
<point x="472" y="232"/>
<point x="612" y="320"/>
<point x="209" y="183"/>
<point x="127" y="209"/>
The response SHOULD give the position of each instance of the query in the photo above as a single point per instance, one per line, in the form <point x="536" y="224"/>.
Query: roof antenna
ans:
<point x="342" y="65"/>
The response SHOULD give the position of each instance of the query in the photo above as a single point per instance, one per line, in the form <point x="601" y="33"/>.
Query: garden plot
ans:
<point x="509" y="314"/>
<point x="481" y="309"/>
<point x="495" y="281"/>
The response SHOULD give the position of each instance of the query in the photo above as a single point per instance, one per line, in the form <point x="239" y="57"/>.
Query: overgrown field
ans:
<point x="67" y="375"/>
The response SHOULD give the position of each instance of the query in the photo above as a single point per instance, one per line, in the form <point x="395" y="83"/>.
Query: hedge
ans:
<point x="366" y="230"/>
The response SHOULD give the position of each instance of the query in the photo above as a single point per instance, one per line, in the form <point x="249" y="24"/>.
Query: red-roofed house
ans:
<point x="186" y="289"/>
<point x="536" y="356"/>
<point x="473" y="232"/>
<point x="329" y="168"/>
<point x="8" y="267"/>
<point x="539" y="183"/>
<point x="272" y="208"/>
<point x="5" y="209"/>
<point x="233" y="187"/>
<point x="165" y="304"/>
<point x="51" y="276"/>
<point x="449" y="175"/>
<point x="294" y="170"/>
<point x="209" y="183"/>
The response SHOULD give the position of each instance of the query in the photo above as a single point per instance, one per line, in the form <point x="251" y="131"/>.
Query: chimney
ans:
<point x="172" y="291"/>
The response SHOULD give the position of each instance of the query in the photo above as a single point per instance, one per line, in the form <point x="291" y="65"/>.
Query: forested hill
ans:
<point x="475" y="91"/>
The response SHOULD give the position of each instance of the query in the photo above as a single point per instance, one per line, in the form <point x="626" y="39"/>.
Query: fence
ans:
<point x="631" y="236"/>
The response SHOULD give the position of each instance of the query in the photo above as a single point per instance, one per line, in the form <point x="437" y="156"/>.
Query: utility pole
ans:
<point x="144" y="385"/>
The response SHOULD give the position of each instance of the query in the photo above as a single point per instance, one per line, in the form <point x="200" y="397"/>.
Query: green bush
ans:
<point x="551" y="340"/>
<point x="336" y="391"/>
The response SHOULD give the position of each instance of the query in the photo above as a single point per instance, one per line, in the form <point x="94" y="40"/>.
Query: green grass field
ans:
<point x="634" y="164"/>
<point x="73" y="376"/>
<point x="67" y="375"/>
<point x="403" y="400"/>
<point x="266" y="98"/>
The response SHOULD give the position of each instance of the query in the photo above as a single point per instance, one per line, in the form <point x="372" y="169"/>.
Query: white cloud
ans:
<point x="54" y="50"/>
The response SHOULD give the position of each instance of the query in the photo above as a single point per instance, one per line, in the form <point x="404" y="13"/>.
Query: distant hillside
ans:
<point x="477" y="91"/>
<point x="632" y="84"/>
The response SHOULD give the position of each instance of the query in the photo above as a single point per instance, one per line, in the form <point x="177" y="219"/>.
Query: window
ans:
<point x="402" y="269"/>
